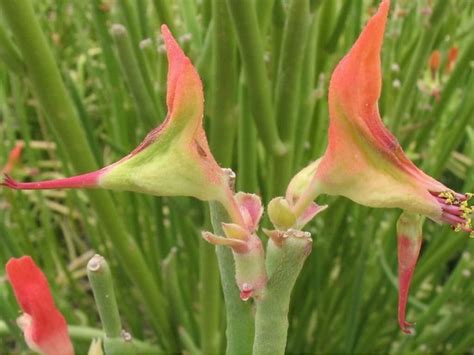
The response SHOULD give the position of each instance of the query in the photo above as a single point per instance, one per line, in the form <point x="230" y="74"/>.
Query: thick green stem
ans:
<point x="240" y="320"/>
<point x="118" y="121"/>
<point x="449" y="89"/>
<point x="287" y="99"/>
<point x="100" y="277"/>
<point x="285" y="259"/>
<point x="116" y="341"/>
<point x="224" y="84"/>
<point x="9" y="54"/>
<point x="163" y="10"/>
<point x="83" y="333"/>
<point x="188" y="9"/>
<point x="250" y="44"/>
<point x="338" y="30"/>
<point x="133" y="75"/>
<point x="308" y="97"/>
<point x="210" y="299"/>
<point x="60" y="112"/>
<point x="246" y="143"/>
<point x="418" y="61"/>
<point x="264" y="10"/>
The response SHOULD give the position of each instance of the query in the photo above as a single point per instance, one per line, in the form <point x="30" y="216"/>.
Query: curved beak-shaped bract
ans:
<point x="43" y="325"/>
<point x="363" y="160"/>
<point x="174" y="159"/>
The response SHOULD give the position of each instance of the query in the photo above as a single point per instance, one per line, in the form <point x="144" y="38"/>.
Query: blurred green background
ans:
<point x="265" y="66"/>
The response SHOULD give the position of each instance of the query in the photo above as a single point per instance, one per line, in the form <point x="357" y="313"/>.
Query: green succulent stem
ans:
<point x="244" y="19"/>
<point x="224" y="85"/>
<point x="86" y="334"/>
<point x="285" y="259"/>
<point x="287" y="98"/>
<point x="100" y="278"/>
<point x="239" y="317"/>
<point x="133" y="75"/>
<point x="418" y="60"/>
<point x="116" y="341"/>
<point x="210" y="297"/>
<point x="9" y="54"/>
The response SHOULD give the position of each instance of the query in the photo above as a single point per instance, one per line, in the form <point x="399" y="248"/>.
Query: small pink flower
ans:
<point x="247" y="248"/>
<point x="44" y="327"/>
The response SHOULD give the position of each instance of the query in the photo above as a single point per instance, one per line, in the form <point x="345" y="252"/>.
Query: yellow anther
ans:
<point x="448" y="196"/>
<point x="468" y="224"/>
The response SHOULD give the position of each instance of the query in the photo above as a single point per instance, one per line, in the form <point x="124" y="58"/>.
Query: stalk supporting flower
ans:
<point x="286" y="255"/>
<point x="363" y="160"/>
<point x="44" y="327"/>
<point x="239" y="315"/>
<point x="100" y="277"/>
<point x="409" y="234"/>
<point x="174" y="159"/>
<point x="246" y="246"/>
<point x="116" y="340"/>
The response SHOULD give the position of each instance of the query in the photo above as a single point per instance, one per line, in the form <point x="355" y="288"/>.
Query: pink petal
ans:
<point x="251" y="209"/>
<point x="309" y="214"/>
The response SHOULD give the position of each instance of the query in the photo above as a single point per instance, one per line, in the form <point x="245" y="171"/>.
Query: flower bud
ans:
<point x="281" y="214"/>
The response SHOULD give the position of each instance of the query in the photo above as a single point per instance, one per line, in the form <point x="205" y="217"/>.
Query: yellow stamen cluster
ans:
<point x="466" y="209"/>
<point x="448" y="197"/>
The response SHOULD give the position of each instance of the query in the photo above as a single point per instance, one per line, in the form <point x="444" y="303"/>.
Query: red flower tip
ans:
<point x="44" y="327"/>
<point x="361" y="92"/>
<point x="13" y="158"/>
<point x="435" y="61"/>
<point x="184" y="85"/>
<point x="452" y="57"/>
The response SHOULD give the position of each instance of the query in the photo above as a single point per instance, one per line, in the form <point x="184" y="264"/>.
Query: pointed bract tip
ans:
<point x="364" y="55"/>
<point x="176" y="62"/>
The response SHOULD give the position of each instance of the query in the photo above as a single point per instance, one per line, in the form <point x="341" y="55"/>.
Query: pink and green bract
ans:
<point x="43" y="325"/>
<point x="364" y="161"/>
<point x="174" y="159"/>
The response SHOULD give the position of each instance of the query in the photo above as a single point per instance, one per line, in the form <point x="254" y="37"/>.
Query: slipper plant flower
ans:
<point x="44" y="327"/>
<point x="363" y="160"/>
<point x="174" y="159"/>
